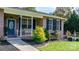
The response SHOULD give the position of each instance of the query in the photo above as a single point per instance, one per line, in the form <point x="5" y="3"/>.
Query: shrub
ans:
<point x="58" y="35"/>
<point x="39" y="35"/>
<point x="77" y="39"/>
<point x="68" y="34"/>
<point x="77" y="34"/>
<point x="70" y="39"/>
<point x="47" y="34"/>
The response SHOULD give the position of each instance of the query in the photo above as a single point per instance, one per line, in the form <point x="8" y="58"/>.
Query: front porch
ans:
<point x="20" y="26"/>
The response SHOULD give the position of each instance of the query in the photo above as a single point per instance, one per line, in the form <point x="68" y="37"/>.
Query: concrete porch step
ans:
<point x="15" y="38"/>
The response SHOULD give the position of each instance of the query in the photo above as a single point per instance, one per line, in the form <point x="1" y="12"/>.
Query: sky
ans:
<point x="45" y="9"/>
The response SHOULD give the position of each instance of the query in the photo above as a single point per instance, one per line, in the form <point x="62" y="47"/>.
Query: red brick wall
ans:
<point x="1" y="22"/>
<point x="40" y="22"/>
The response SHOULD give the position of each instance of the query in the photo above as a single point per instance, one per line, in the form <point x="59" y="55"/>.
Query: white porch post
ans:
<point x="20" y="25"/>
<point x="58" y="25"/>
<point x="44" y="23"/>
<point x="31" y="25"/>
<point x="62" y="29"/>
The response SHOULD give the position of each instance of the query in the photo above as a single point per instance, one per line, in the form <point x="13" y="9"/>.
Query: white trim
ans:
<point x="20" y="25"/>
<point x="15" y="23"/>
<point x="44" y="23"/>
<point x="62" y="29"/>
<point x="31" y="26"/>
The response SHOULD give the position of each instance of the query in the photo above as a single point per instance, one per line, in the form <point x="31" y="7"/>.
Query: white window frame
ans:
<point x="58" y="25"/>
<point x="27" y="22"/>
<point x="30" y="29"/>
<point x="50" y="24"/>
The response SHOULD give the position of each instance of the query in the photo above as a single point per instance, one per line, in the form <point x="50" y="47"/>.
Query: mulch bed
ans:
<point x="36" y="45"/>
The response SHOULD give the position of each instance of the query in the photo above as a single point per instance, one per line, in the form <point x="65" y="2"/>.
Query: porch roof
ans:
<point x="28" y="13"/>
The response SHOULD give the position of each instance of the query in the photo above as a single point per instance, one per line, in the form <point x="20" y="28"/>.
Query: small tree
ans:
<point x="63" y="11"/>
<point x="72" y="24"/>
<point x="47" y="34"/>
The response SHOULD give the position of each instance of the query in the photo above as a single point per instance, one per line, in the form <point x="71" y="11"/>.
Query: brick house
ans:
<point x="16" y="22"/>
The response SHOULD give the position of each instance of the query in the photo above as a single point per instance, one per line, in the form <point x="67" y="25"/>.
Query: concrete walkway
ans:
<point x="21" y="45"/>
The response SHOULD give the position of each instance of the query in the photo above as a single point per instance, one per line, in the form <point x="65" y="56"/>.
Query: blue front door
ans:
<point x="11" y="28"/>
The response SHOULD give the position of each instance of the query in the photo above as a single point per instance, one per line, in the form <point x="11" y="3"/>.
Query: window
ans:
<point x="53" y="24"/>
<point x="26" y="26"/>
<point x="49" y="24"/>
<point x="58" y="24"/>
<point x="26" y="23"/>
<point x="29" y="23"/>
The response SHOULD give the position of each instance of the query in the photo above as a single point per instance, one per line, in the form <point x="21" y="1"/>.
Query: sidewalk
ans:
<point x="21" y="45"/>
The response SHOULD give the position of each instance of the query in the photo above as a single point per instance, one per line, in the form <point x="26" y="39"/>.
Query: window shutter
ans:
<point x="60" y="25"/>
<point x="47" y="25"/>
<point x="34" y="24"/>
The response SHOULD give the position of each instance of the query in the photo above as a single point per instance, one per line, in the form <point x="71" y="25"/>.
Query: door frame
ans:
<point x="11" y="19"/>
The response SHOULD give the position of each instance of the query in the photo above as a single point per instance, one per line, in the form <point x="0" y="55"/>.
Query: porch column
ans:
<point x="44" y="23"/>
<point x="20" y="25"/>
<point x="58" y="25"/>
<point x="62" y="29"/>
<point x="31" y="25"/>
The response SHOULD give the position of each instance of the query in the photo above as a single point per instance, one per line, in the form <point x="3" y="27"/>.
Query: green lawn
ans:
<point x="60" y="46"/>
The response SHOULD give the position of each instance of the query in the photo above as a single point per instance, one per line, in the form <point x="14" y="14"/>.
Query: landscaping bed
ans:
<point x="6" y="46"/>
<point x="36" y="45"/>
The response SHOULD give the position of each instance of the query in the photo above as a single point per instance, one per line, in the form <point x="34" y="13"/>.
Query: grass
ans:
<point x="60" y="46"/>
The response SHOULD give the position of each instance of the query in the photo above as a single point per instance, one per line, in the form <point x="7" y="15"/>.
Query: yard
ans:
<point x="60" y="46"/>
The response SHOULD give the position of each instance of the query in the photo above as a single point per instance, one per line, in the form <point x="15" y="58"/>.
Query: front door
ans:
<point x="11" y="28"/>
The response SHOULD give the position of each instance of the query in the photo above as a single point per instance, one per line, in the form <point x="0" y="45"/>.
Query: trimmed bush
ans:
<point x="77" y="39"/>
<point x="58" y="35"/>
<point x="68" y="34"/>
<point x="39" y="35"/>
<point x="47" y="34"/>
<point x="70" y="39"/>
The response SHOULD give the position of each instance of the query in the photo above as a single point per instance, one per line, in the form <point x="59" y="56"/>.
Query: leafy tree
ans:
<point x="72" y="24"/>
<point x="63" y="11"/>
